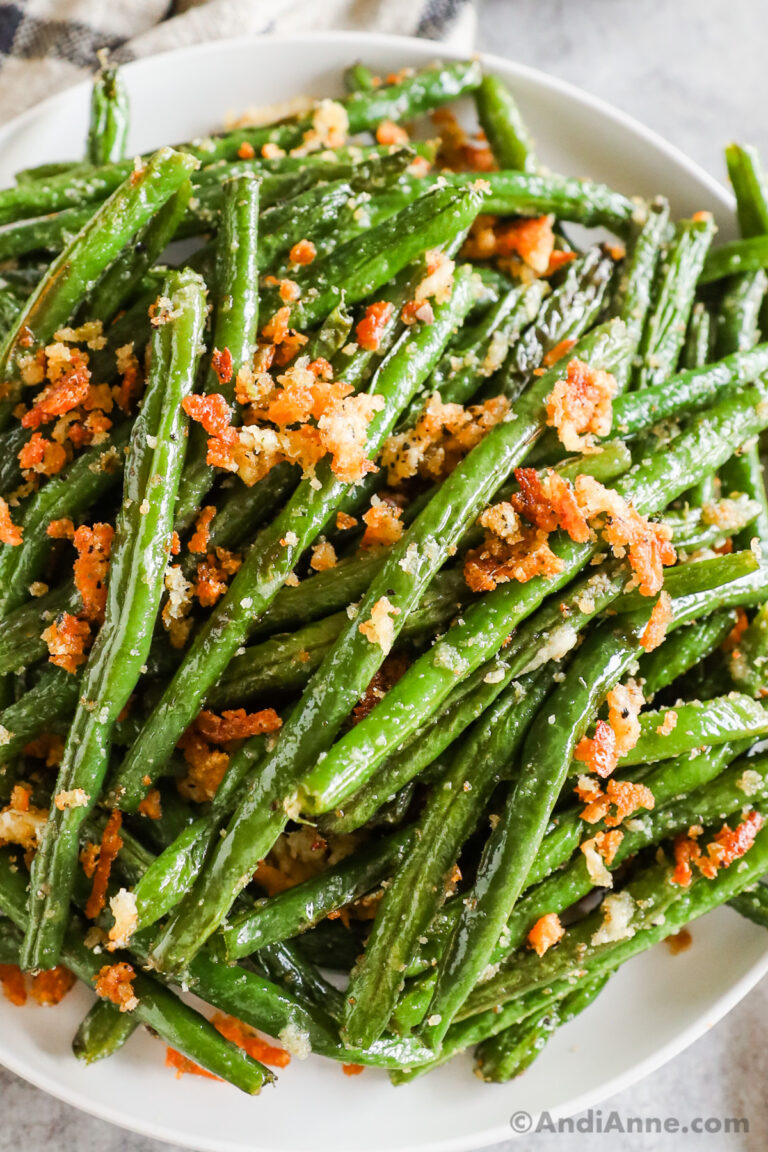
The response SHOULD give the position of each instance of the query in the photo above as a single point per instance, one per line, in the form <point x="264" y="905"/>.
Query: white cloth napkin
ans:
<point x="46" y="45"/>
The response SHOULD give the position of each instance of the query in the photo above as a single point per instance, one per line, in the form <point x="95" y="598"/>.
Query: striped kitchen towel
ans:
<point x="46" y="45"/>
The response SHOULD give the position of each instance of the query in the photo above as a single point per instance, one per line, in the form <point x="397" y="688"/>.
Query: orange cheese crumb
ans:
<point x="656" y="628"/>
<point x="580" y="407"/>
<point x="67" y="639"/>
<point x="9" y="533"/>
<point x="111" y="843"/>
<point x="115" y="983"/>
<point x="198" y="541"/>
<point x="370" y="329"/>
<point x="93" y="547"/>
<point x="546" y="931"/>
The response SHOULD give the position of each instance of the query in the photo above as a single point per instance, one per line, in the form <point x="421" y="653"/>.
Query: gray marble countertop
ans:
<point x="694" y="70"/>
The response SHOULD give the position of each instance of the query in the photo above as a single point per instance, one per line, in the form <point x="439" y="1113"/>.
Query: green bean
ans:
<point x="503" y="125"/>
<point x="633" y="295"/>
<point x="278" y="1012"/>
<point x="69" y="494"/>
<point x="505" y="1055"/>
<point x="285" y="965"/>
<point x="698" y="340"/>
<point x="690" y="391"/>
<point x="54" y="168"/>
<point x="284" y="663"/>
<point x="137" y="568"/>
<point x="419" y="885"/>
<point x="476" y="353"/>
<point x="235" y="327"/>
<point x="710" y="800"/>
<point x="752" y="904"/>
<point x="529" y="194"/>
<point x="554" y="630"/>
<point x="683" y="651"/>
<point x="108" y="126"/>
<point x="486" y="624"/>
<point x="289" y="1011"/>
<point x="676" y="281"/>
<point x="73" y="273"/>
<point x="740" y="328"/>
<point x="657" y="894"/>
<point x="698" y="723"/>
<point x="102" y="1032"/>
<point x="359" y="78"/>
<point x="735" y="258"/>
<point x="43" y="233"/>
<point x="300" y="908"/>
<point x="570" y="311"/>
<point x="348" y="667"/>
<point x="748" y="661"/>
<point x="509" y="852"/>
<point x="118" y="283"/>
<point x="275" y="553"/>
<point x="47" y="706"/>
<point x="737" y="324"/>
<point x="748" y="183"/>
<point x="363" y="264"/>
<point x="159" y="1009"/>
<point x="10" y="941"/>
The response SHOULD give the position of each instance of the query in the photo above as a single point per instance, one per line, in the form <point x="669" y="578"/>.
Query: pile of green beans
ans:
<point x="417" y="802"/>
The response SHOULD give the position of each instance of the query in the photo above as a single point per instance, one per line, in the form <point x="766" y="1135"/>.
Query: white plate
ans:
<point x="657" y="1004"/>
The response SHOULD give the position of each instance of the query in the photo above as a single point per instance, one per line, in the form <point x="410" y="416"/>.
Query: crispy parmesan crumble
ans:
<point x="236" y="724"/>
<point x="625" y="797"/>
<point x="614" y="738"/>
<point x="646" y="544"/>
<point x="656" y="629"/>
<point x="207" y="763"/>
<point x="441" y="437"/>
<point x="20" y="821"/>
<point x="339" y="425"/>
<point x="126" y="919"/>
<point x="383" y="524"/>
<point x="115" y="983"/>
<point x="302" y="252"/>
<point x="579" y="407"/>
<point x="111" y="843"/>
<point x="380" y="628"/>
<point x="546" y="932"/>
<point x="370" y="329"/>
<point x="198" y="541"/>
<point x="727" y="845"/>
<point x="9" y="533"/>
<point x="67" y="639"/>
<point x="93" y="546"/>
<point x="323" y="556"/>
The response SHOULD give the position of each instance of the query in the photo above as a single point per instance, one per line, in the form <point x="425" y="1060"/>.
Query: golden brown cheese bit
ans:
<point x="647" y="545"/>
<point x="323" y="556"/>
<point x="580" y="406"/>
<point x="383" y="525"/>
<point x="656" y="629"/>
<point x="545" y="933"/>
<point x="67" y="640"/>
<point x="622" y="795"/>
<point x="441" y="437"/>
<point x="379" y="628"/>
<point x="9" y="533"/>
<point x="115" y="983"/>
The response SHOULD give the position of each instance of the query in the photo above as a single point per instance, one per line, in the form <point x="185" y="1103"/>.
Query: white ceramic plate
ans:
<point x="658" y="1003"/>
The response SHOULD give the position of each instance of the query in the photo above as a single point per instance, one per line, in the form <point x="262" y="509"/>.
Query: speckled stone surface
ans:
<point x="695" y="71"/>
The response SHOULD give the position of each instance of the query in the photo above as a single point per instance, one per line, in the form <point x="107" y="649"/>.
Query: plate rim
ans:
<point x="156" y="1129"/>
